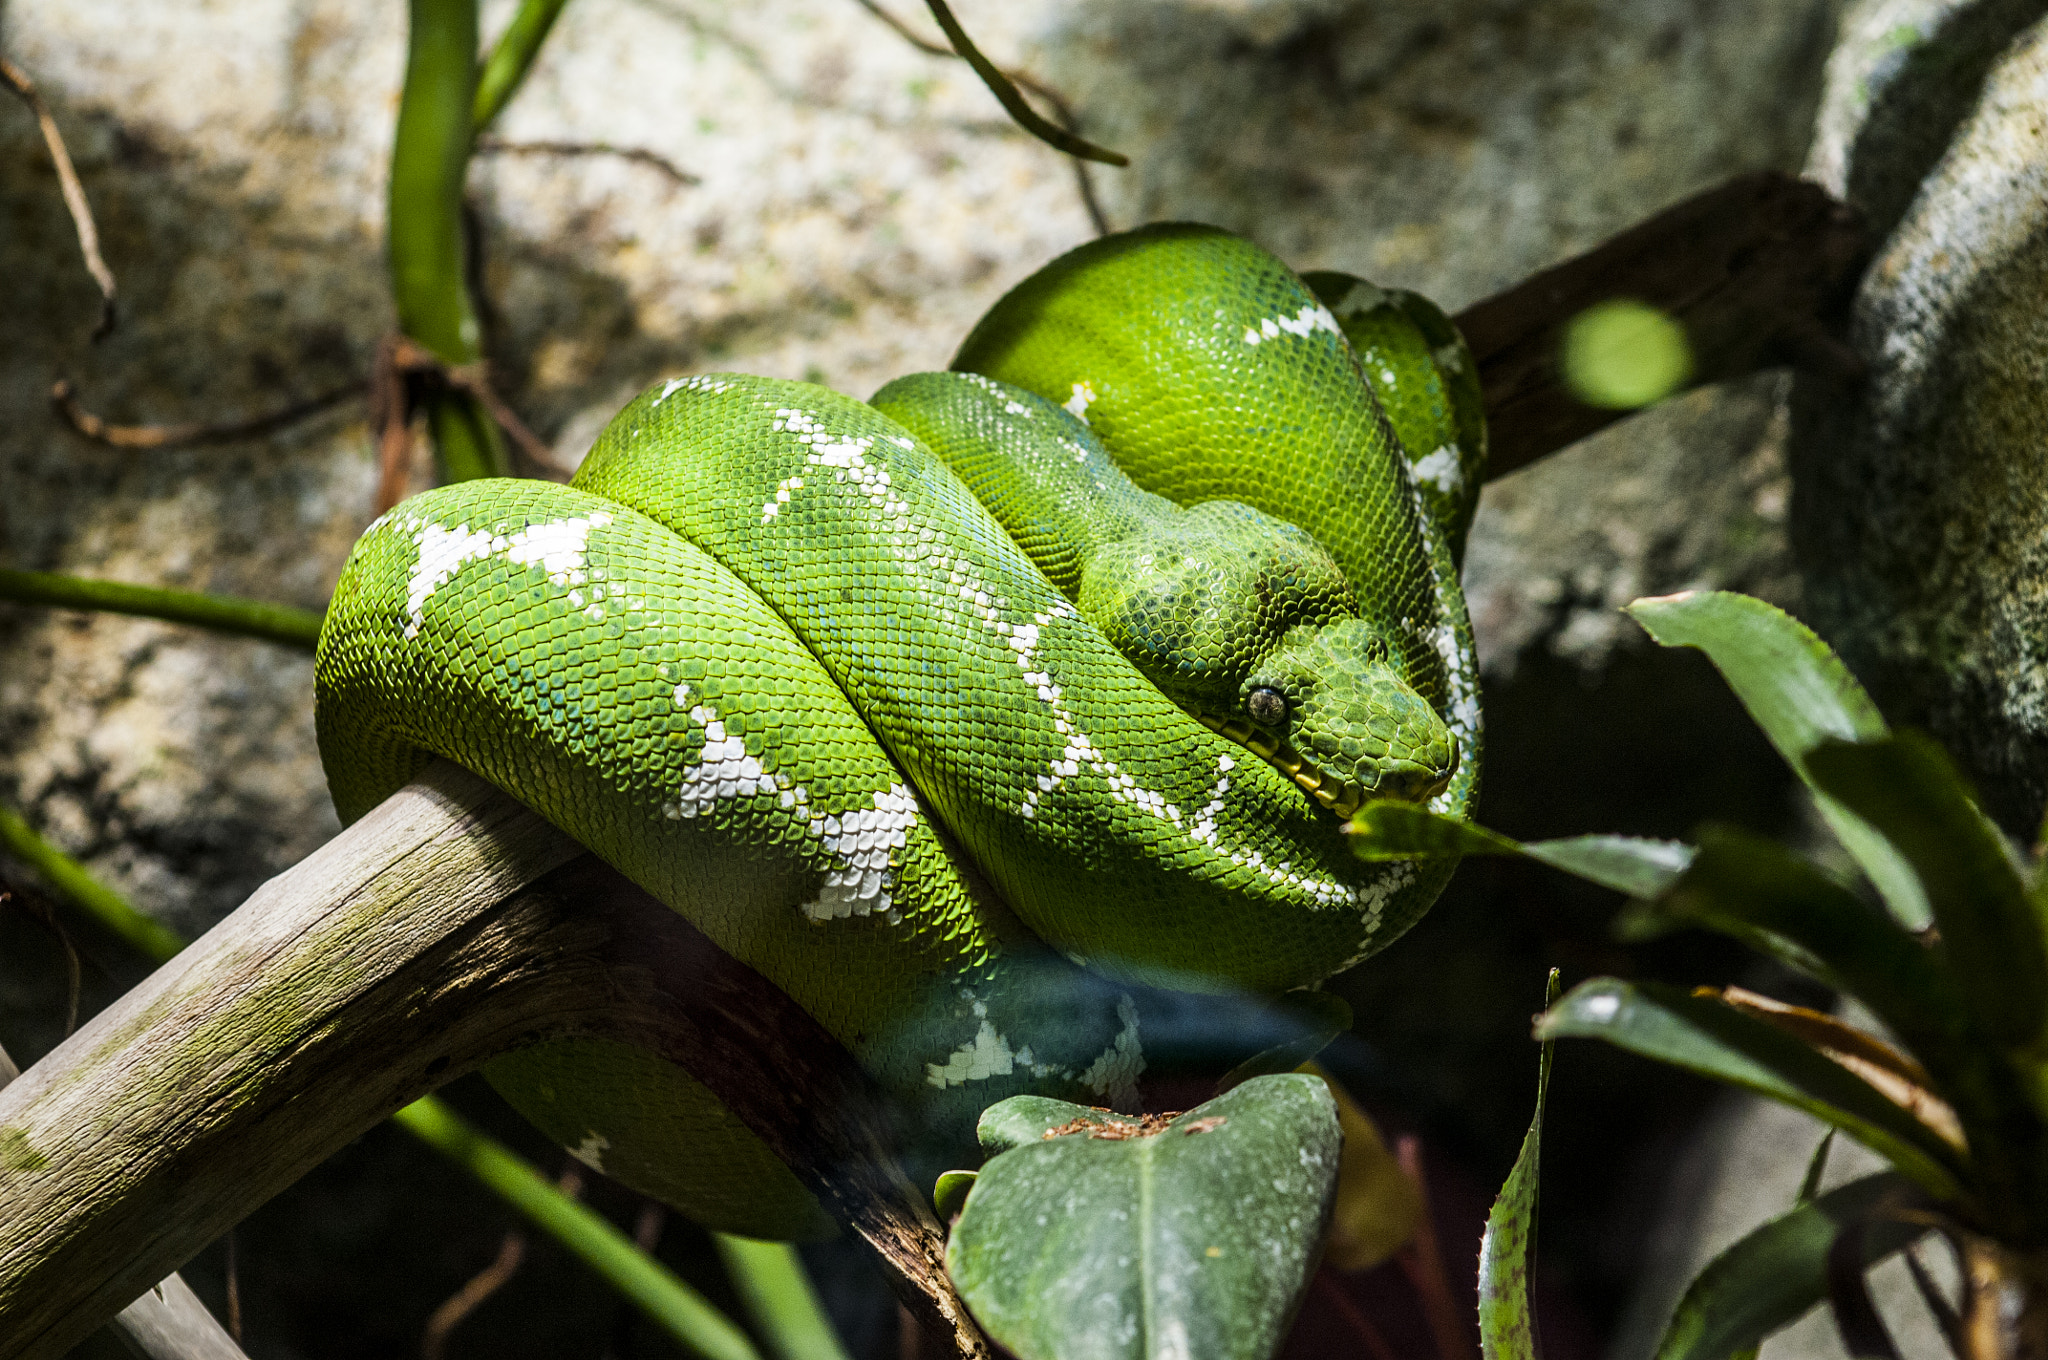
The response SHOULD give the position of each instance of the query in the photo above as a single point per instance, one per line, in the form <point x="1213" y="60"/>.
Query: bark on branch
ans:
<point x="448" y="926"/>
<point x="1759" y="271"/>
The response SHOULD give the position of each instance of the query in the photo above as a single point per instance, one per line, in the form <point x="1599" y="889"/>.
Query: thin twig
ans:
<point x="1063" y="111"/>
<point x="464" y="1301"/>
<point x="233" y="1271"/>
<point x="489" y="1280"/>
<point x="1354" y="1317"/>
<point x="74" y="192"/>
<point x="494" y="146"/>
<point x="74" y="977"/>
<point x="1423" y="1263"/>
<point x="64" y="397"/>
<point x="405" y="374"/>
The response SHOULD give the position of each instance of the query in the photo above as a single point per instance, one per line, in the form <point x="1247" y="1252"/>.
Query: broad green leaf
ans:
<point x="1715" y="1040"/>
<point x="1389" y="830"/>
<point x="1507" y="1249"/>
<point x="1800" y="694"/>
<point x="1771" y="1278"/>
<point x="1908" y="789"/>
<point x="1089" y="1236"/>
<point x="1760" y="892"/>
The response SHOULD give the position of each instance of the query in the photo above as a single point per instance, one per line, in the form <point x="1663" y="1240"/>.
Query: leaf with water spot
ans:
<point x="1094" y="1236"/>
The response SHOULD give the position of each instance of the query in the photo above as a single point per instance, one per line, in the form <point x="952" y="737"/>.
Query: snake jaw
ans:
<point x="1340" y="796"/>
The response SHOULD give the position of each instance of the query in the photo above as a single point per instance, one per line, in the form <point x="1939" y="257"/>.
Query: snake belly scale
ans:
<point x="771" y="658"/>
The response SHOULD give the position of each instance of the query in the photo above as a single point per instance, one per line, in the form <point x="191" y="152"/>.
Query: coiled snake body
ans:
<point x="770" y="657"/>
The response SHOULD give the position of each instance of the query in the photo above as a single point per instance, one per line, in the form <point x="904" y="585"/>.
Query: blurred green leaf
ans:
<point x="1800" y="694"/>
<point x="1623" y="354"/>
<point x="1771" y="1278"/>
<point x="1907" y="788"/>
<point x="1507" y="1250"/>
<point x="769" y="1278"/>
<point x="1109" y="1240"/>
<point x="1715" y="1040"/>
<point x="1389" y="830"/>
<point x="1762" y="893"/>
<point x="949" y="1193"/>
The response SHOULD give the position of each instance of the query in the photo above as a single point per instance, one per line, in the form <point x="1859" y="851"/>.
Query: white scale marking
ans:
<point x="556" y="547"/>
<point x="1302" y="324"/>
<point x="1440" y="470"/>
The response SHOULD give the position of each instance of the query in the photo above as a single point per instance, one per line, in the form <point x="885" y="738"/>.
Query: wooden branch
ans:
<point x="1759" y="272"/>
<point x="167" y="1321"/>
<point x="448" y="926"/>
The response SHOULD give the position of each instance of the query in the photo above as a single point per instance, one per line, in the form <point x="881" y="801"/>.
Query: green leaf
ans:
<point x="1715" y="1040"/>
<point x="1108" y="1241"/>
<point x="1507" y="1250"/>
<point x="1771" y="1278"/>
<point x="1760" y="892"/>
<point x="1908" y="789"/>
<point x="949" y="1195"/>
<point x="1800" y="694"/>
<point x="1390" y="830"/>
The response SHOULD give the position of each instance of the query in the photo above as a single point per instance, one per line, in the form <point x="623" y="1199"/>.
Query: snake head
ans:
<point x="1247" y="623"/>
<point x="1328" y="708"/>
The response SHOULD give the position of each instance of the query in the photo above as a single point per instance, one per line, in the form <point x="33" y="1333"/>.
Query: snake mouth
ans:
<point x="1341" y="796"/>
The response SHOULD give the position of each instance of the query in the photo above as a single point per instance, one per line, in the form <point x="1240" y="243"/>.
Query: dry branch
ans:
<point x="1759" y="271"/>
<point x="75" y="202"/>
<point x="448" y="926"/>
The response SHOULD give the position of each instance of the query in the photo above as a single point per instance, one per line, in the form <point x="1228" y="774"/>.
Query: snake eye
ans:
<point x="1268" y="706"/>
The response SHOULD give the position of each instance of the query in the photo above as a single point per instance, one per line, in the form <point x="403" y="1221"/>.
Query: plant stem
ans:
<point x="424" y="224"/>
<point x="770" y="1279"/>
<point x="680" y="1311"/>
<point x="511" y="58"/>
<point x="68" y="877"/>
<point x="222" y="613"/>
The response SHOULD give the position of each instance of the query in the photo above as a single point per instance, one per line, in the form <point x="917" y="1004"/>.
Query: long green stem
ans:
<point x="684" y="1313"/>
<point x="424" y="224"/>
<point x="511" y="58"/>
<point x="770" y="1280"/>
<point x="679" y="1310"/>
<point x="68" y="877"/>
<point x="222" y="613"/>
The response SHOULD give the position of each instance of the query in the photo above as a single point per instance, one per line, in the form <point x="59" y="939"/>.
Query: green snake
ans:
<point x="881" y="696"/>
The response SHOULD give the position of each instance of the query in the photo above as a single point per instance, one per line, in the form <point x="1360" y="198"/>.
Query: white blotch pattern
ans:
<point x="1080" y="401"/>
<point x="862" y="843"/>
<point x="1114" y="1075"/>
<point x="1440" y="470"/>
<point x="1302" y="324"/>
<point x="986" y="1055"/>
<point x="591" y="1150"/>
<point x="700" y="383"/>
<point x="556" y="547"/>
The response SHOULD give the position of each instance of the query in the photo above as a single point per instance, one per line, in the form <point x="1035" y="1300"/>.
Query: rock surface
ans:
<point x="1921" y="511"/>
